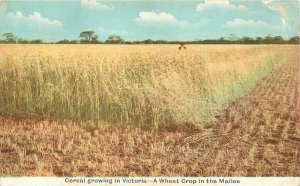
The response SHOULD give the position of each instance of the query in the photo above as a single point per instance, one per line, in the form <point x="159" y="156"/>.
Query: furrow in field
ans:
<point x="257" y="135"/>
<point x="261" y="129"/>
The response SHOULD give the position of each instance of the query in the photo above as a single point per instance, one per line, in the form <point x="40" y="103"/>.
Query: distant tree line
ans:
<point x="89" y="37"/>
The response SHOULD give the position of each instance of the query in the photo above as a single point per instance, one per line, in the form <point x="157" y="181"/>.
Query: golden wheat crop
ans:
<point x="42" y="86"/>
<point x="149" y="86"/>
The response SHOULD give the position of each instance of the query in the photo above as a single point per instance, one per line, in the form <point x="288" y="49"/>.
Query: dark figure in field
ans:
<point x="182" y="45"/>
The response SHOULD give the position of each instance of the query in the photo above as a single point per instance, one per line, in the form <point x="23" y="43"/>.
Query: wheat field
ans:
<point x="146" y="86"/>
<point x="149" y="110"/>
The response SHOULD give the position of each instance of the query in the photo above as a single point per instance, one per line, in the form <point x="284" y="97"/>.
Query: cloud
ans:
<point x="246" y="24"/>
<point x="284" y="18"/>
<point x="148" y="18"/>
<point x="281" y="10"/>
<point x="249" y="25"/>
<point x="251" y="28"/>
<point x="267" y="1"/>
<point x="94" y="4"/>
<point x="35" y="18"/>
<point x="219" y="4"/>
<point x="163" y="25"/>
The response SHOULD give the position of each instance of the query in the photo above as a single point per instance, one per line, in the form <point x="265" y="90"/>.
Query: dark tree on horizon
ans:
<point x="114" y="39"/>
<point x="88" y="37"/>
<point x="9" y="37"/>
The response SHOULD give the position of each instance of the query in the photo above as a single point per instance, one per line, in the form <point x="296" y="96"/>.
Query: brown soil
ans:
<point x="257" y="135"/>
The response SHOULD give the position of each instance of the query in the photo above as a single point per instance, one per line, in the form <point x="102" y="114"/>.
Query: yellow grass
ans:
<point x="257" y="134"/>
<point x="140" y="85"/>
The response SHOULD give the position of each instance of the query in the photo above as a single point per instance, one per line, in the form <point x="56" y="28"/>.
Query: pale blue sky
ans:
<point x="143" y="19"/>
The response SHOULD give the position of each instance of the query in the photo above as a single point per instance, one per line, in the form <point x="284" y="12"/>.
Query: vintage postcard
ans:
<point x="149" y="92"/>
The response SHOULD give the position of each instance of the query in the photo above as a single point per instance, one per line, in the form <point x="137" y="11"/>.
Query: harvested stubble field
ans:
<point x="149" y="110"/>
